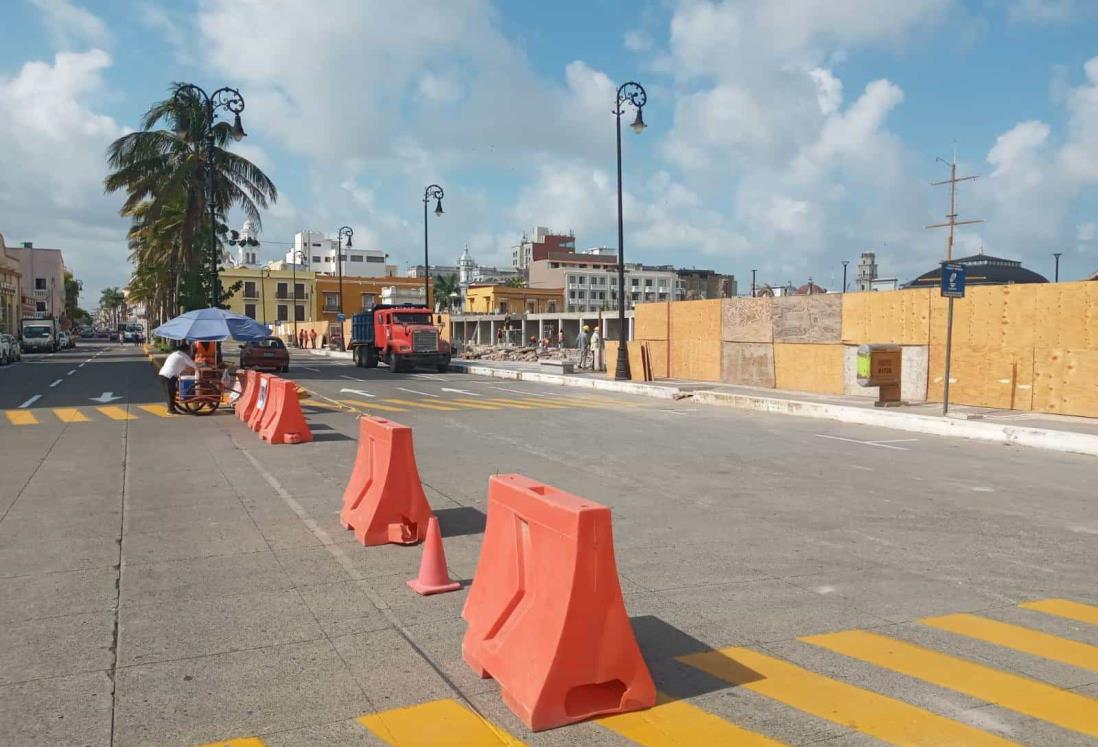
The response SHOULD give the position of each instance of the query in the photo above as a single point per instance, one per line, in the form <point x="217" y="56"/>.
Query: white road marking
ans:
<point x="30" y="401"/>
<point x="360" y="392"/>
<point x="314" y="370"/>
<point x="981" y="489"/>
<point x="352" y="378"/>
<point x="893" y="440"/>
<point x="863" y="443"/>
<point x="518" y="391"/>
<point x="824" y="589"/>
<point x="105" y="397"/>
<point x="82" y="364"/>
<point x="460" y="391"/>
<point x="70" y="373"/>
<point x="56" y="383"/>
<point x="414" y="391"/>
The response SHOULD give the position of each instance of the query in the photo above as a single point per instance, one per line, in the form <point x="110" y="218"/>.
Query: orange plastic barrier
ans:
<point x="262" y="400"/>
<point x="285" y="423"/>
<point x="545" y="611"/>
<point x="246" y="403"/>
<point x="384" y="501"/>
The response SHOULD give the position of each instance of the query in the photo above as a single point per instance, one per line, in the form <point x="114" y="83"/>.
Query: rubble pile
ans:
<point x="526" y="353"/>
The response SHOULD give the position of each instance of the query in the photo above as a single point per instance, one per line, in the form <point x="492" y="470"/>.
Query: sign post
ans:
<point x="953" y="287"/>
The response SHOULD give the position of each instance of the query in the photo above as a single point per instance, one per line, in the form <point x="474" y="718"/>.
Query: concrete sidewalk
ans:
<point x="1039" y="430"/>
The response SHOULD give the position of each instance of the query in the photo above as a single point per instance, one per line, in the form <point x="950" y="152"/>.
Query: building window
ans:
<point x="299" y="290"/>
<point x="40" y="284"/>
<point x="299" y="313"/>
<point x="249" y="310"/>
<point x="368" y="300"/>
<point x="648" y="282"/>
<point x="376" y="260"/>
<point x="331" y="302"/>
<point x="554" y="265"/>
<point x="329" y="259"/>
<point x="40" y="306"/>
<point x="249" y="290"/>
<point x="316" y="259"/>
<point x="282" y="290"/>
<point x="571" y="295"/>
<point x="503" y="308"/>
<point x="356" y="257"/>
<point x="634" y="282"/>
<point x="283" y="312"/>
<point x="531" y="307"/>
<point x="581" y="279"/>
<point x="551" y="307"/>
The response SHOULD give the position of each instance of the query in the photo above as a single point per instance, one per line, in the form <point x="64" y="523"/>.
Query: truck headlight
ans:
<point x="404" y="348"/>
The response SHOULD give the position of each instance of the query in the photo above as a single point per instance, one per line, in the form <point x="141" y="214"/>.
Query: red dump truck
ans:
<point x="404" y="337"/>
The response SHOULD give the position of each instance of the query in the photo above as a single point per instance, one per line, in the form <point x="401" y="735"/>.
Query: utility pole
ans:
<point x="845" y="263"/>
<point x="753" y="282"/>
<point x="1056" y="277"/>
<point x="952" y="225"/>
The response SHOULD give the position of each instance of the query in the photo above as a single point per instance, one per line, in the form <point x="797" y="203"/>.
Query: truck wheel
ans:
<point x="371" y="358"/>
<point x="444" y="367"/>
<point x="394" y="363"/>
<point x="360" y="358"/>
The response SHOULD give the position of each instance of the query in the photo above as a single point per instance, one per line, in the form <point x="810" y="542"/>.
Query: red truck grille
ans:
<point x="425" y="341"/>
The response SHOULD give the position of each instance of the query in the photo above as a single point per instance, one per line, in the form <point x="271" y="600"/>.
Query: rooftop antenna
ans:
<point x="952" y="215"/>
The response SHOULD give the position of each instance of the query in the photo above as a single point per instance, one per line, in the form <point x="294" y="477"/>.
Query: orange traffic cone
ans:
<point x="433" y="578"/>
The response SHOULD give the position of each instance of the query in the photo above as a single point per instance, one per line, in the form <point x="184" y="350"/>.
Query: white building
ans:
<point x="590" y="282"/>
<point x="319" y="255"/>
<point x="398" y="294"/>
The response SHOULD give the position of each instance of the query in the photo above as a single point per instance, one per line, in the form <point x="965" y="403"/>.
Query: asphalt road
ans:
<point x="179" y="582"/>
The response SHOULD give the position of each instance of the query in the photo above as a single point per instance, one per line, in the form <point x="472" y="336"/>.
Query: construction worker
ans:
<point x="583" y="345"/>
<point x="596" y="350"/>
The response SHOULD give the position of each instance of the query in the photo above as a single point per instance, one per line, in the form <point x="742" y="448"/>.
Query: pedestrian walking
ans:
<point x="312" y="338"/>
<point x="584" y="346"/>
<point x="178" y="363"/>
<point x="560" y="339"/>
<point x="596" y="350"/>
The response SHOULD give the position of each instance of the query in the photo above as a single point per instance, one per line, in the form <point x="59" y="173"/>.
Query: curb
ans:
<point x="1038" y="438"/>
<point x="607" y="385"/>
<point x="327" y="353"/>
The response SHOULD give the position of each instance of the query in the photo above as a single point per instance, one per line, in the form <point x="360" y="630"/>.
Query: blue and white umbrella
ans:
<point x="212" y="325"/>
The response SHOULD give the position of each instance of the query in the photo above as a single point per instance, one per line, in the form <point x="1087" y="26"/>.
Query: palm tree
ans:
<point x="162" y="173"/>
<point x="111" y="300"/>
<point x="444" y="286"/>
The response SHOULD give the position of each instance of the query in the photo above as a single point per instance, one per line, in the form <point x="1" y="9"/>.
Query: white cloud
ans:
<point x="637" y="41"/>
<point x="73" y="26"/>
<point x="52" y="165"/>
<point x="829" y="90"/>
<point x="1041" y="11"/>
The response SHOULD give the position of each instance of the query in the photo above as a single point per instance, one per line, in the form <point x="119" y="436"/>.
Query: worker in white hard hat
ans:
<point x="584" y="347"/>
<point x="596" y="350"/>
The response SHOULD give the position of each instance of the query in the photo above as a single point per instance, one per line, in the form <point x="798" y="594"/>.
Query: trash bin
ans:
<point x="186" y="387"/>
<point x="881" y="366"/>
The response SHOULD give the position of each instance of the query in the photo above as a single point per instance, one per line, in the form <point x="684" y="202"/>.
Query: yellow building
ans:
<point x="268" y="295"/>
<point x="506" y="299"/>
<point x="360" y="293"/>
<point x="10" y="297"/>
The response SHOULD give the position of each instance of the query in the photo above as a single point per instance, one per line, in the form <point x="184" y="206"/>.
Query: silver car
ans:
<point x="10" y="349"/>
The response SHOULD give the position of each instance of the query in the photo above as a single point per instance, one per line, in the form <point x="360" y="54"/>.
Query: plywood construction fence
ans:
<point x="650" y="321"/>
<point x="809" y="367"/>
<point x="815" y="318"/>
<point x="747" y="363"/>
<point x="747" y="320"/>
<point x="657" y="358"/>
<point x="1065" y="381"/>
<point x="898" y="317"/>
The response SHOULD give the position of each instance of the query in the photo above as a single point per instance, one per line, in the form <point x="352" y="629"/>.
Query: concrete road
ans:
<point x="179" y="582"/>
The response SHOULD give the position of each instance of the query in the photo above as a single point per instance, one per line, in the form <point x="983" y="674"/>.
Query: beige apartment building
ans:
<point x="42" y="285"/>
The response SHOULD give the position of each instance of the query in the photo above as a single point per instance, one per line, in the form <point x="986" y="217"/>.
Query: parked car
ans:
<point x="268" y="353"/>
<point x="63" y="340"/>
<point x="9" y="349"/>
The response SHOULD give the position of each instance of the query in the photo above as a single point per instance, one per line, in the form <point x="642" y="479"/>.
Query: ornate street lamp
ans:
<point x="633" y="93"/>
<point x="297" y="254"/>
<point x="230" y="100"/>
<point x="433" y="192"/>
<point x="345" y="232"/>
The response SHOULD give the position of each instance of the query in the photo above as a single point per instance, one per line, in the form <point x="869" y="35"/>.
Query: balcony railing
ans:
<point x="288" y="296"/>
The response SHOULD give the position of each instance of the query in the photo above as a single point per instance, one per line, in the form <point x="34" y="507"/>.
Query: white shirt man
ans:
<point x="177" y="363"/>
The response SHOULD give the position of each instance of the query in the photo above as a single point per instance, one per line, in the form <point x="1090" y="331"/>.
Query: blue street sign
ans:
<point x="341" y="317"/>
<point x="953" y="280"/>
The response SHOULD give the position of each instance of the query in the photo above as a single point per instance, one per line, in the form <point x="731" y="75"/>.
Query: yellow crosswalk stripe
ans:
<point x="371" y="406"/>
<point x="1019" y="638"/>
<point x="1077" y="611"/>
<point x="161" y="411"/>
<point x="21" y="417"/>
<point x="1031" y="697"/>
<point x="319" y="403"/>
<point x="437" y="724"/>
<point x="511" y="404"/>
<point x="871" y="713"/>
<point x="238" y="742"/>
<point x="423" y="405"/>
<point x="476" y="404"/>
<point x="674" y="723"/>
<point x="116" y="413"/>
<point x="70" y="415"/>
<point x="522" y="403"/>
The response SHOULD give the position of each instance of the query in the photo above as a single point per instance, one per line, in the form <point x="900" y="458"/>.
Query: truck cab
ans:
<point x="40" y="335"/>
<point x="404" y="337"/>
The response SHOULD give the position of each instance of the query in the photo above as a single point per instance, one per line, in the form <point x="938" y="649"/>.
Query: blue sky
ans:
<point x="784" y="136"/>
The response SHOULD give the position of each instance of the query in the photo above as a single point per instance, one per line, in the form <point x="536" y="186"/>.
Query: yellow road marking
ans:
<point x="512" y="404"/>
<point x="70" y="415"/>
<point x="1065" y="608"/>
<point x="437" y="724"/>
<point x="160" y="411"/>
<point x="476" y="404"/>
<point x="1021" y="694"/>
<point x="116" y="413"/>
<point x="372" y="406"/>
<point x="320" y="403"/>
<point x="238" y="742"/>
<point x="424" y="405"/>
<point x="594" y="398"/>
<point x="522" y="403"/>
<point x="1019" y="638"/>
<point x="673" y="723"/>
<point x="21" y="417"/>
<point x="880" y="716"/>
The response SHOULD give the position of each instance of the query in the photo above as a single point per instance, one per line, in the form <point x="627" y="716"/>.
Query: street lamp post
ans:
<point x="845" y="263"/>
<point x="295" y="256"/>
<point x="635" y="94"/>
<point x="1056" y="277"/>
<point x="753" y="282"/>
<point x="433" y="192"/>
<point x="345" y="232"/>
<point x="230" y="100"/>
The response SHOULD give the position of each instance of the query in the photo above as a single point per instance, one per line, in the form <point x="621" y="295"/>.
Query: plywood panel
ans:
<point x="983" y="377"/>
<point x="900" y="317"/>
<point x="747" y="320"/>
<point x="699" y="360"/>
<point x="650" y="321"/>
<point x="999" y="317"/>
<point x="657" y="350"/>
<point x="809" y="368"/>
<point x="815" y="318"/>
<point x="1065" y="381"/>
<point x="1068" y="316"/>
<point x="747" y="363"/>
<point x="696" y="320"/>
